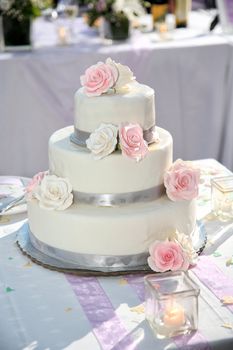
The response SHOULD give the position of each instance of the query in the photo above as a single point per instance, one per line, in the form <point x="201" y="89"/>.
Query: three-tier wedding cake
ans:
<point x="112" y="200"/>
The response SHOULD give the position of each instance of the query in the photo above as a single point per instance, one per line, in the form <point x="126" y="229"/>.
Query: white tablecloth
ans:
<point x="190" y="77"/>
<point x="227" y="154"/>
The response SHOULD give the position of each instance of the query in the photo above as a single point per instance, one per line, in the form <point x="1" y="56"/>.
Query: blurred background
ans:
<point x="181" y="48"/>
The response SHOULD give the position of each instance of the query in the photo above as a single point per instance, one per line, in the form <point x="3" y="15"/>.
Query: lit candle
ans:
<point x="174" y="316"/>
<point x="63" y="35"/>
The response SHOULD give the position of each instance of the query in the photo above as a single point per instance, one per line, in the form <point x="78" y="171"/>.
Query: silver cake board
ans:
<point x="24" y="243"/>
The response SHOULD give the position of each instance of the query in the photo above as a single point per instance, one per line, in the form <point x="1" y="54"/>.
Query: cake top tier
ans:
<point x="110" y="94"/>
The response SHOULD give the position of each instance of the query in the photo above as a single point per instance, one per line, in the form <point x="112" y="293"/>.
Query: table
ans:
<point x="43" y="309"/>
<point x="190" y="78"/>
<point x="226" y="155"/>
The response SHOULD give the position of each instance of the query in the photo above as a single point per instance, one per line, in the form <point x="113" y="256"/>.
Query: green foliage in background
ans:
<point x="23" y="9"/>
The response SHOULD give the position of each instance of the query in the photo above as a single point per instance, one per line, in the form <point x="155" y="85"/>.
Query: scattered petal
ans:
<point x="139" y="309"/>
<point x="28" y="264"/>
<point x="68" y="309"/>
<point x="227" y="325"/>
<point x="122" y="281"/>
<point x="217" y="254"/>
<point x="229" y="262"/>
<point x="156" y="285"/>
<point x="227" y="300"/>
<point x="9" y="289"/>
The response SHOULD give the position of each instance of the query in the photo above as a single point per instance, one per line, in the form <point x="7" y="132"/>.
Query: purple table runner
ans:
<point x="107" y="326"/>
<point x="213" y="278"/>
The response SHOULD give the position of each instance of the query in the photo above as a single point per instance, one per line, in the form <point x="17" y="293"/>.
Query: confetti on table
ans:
<point x="201" y="203"/>
<point x="226" y="300"/>
<point x="28" y="264"/>
<point x="229" y="262"/>
<point x="122" y="281"/>
<point x="217" y="254"/>
<point x="68" y="309"/>
<point x="4" y="219"/>
<point x="210" y="217"/>
<point x="9" y="289"/>
<point x="139" y="309"/>
<point x="206" y="199"/>
<point x="227" y="325"/>
<point x="156" y="285"/>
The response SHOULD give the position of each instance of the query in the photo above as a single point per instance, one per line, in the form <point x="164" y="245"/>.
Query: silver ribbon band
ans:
<point x="118" y="199"/>
<point x="79" y="137"/>
<point x="104" y="263"/>
<point x="62" y="259"/>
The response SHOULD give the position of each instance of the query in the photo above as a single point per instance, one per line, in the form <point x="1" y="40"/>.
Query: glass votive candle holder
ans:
<point x="222" y="197"/>
<point x="171" y="303"/>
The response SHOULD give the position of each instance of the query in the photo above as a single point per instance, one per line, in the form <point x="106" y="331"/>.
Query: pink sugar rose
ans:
<point x="35" y="181"/>
<point x="181" y="181"/>
<point x="99" y="78"/>
<point x="166" y="256"/>
<point x="131" y="141"/>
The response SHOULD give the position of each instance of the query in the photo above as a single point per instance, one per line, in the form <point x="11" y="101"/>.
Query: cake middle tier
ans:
<point x="113" y="174"/>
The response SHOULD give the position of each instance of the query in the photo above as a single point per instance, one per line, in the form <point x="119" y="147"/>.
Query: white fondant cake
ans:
<point x="113" y="174"/>
<point x="138" y="104"/>
<point x="124" y="230"/>
<point x="114" y="123"/>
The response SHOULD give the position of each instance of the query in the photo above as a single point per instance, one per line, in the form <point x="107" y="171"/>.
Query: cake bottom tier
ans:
<point x="109" y="232"/>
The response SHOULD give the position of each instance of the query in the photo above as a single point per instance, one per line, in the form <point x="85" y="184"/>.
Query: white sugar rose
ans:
<point x="54" y="193"/>
<point x="102" y="141"/>
<point x="187" y="246"/>
<point x="125" y="75"/>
